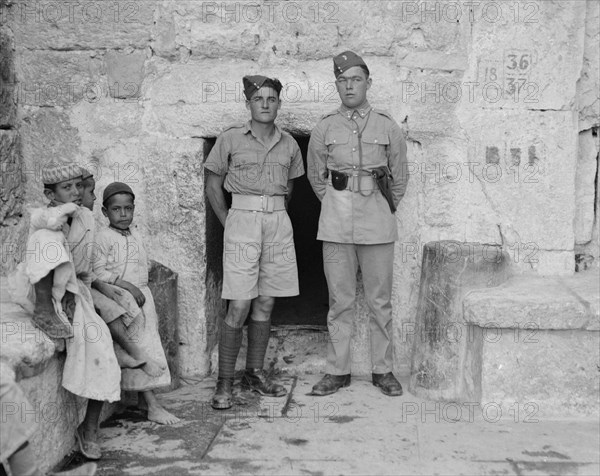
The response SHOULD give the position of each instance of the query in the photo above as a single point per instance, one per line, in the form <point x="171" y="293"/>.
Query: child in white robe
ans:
<point x="57" y="269"/>
<point x="120" y="259"/>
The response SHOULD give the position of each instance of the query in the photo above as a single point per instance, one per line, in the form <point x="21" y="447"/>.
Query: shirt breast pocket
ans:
<point x="337" y="145"/>
<point x="375" y="149"/>
<point x="244" y="167"/>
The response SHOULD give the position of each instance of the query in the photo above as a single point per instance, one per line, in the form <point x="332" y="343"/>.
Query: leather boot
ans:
<point x="223" y="396"/>
<point x="388" y="384"/>
<point x="255" y="380"/>
<point x="330" y="384"/>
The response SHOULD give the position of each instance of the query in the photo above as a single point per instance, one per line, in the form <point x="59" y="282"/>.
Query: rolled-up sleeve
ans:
<point x="317" y="161"/>
<point x="218" y="159"/>
<point x="398" y="162"/>
<point x="297" y="165"/>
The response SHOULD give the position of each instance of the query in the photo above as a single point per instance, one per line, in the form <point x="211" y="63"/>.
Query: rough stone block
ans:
<point x="588" y="102"/>
<point x="62" y="25"/>
<point x="530" y="302"/>
<point x="13" y="236"/>
<point x="449" y="270"/>
<point x="175" y="219"/>
<point x="515" y="66"/>
<point x="103" y="123"/>
<point x="542" y="373"/>
<point x="58" y="413"/>
<point x="163" y="284"/>
<point x="125" y="73"/>
<point x="535" y="345"/>
<point x="11" y="164"/>
<point x="164" y="33"/>
<point x="8" y="96"/>
<point x="59" y="78"/>
<point x="47" y="135"/>
<point x="515" y="161"/>
<point x="585" y="186"/>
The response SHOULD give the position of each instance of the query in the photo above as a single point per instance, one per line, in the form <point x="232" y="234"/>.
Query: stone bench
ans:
<point x="38" y="364"/>
<point x="518" y="345"/>
<point x="540" y="343"/>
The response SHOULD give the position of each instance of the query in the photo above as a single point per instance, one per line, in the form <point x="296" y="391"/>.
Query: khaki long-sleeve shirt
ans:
<point x="351" y="216"/>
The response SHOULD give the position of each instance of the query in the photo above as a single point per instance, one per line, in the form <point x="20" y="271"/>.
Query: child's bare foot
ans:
<point x="160" y="415"/>
<point x="88" y="442"/>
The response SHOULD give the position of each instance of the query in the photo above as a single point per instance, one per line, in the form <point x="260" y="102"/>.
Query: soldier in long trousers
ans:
<point x="357" y="168"/>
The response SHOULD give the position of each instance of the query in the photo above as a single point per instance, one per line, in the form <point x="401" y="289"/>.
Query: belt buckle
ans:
<point x="267" y="203"/>
<point x="353" y="182"/>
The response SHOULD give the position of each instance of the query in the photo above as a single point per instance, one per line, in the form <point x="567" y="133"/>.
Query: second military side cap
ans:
<point x="56" y="172"/>
<point x="255" y="82"/>
<point x="346" y="60"/>
<point x="115" y="188"/>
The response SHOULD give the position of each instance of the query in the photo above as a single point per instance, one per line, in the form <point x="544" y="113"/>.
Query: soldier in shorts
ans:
<point x="256" y="162"/>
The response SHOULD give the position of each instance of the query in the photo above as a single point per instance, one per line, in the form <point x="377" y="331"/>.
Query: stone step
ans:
<point x="540" y="343"/>
<point x="538" y="302"/>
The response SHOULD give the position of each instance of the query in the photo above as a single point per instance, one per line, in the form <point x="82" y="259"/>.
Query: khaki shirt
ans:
<point x="349" y="216"/>
<point x="252" y="167"/>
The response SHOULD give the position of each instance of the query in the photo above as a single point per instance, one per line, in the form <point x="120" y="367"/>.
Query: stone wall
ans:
<point x="12" y="189"/>
<point x="496" y="99"/>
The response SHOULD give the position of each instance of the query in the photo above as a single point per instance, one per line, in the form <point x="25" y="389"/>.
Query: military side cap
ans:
<point x="346" y="60"/>
<point x="115" y="188"/>
<point x="54" y="172"/>
<point x="255" y="82"/>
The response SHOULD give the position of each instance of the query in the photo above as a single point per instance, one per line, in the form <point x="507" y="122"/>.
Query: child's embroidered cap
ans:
<point x="54" y="172"/>
<point x="114" y="188"/>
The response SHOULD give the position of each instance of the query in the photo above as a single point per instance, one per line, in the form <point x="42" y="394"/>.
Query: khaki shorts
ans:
<point x="259" y="258"/>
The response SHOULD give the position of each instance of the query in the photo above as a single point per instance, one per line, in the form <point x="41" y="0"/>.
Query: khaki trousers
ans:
<point x="341" y="262"/>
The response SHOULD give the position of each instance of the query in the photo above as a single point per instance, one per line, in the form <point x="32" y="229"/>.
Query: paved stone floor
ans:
<point x="357" y="431"/>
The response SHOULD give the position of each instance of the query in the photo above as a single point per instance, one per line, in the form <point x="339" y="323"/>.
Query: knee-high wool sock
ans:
<point x="229" y="347"/>
<point x="258" y="339"/>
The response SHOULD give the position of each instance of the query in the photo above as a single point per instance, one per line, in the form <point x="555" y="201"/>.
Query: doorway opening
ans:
<point x="311" y="306"/>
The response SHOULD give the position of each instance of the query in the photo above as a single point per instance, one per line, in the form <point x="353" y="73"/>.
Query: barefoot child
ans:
<point x="121" y="260"/>
<point x="117" y="307"/>
<point x="63" y="304"/>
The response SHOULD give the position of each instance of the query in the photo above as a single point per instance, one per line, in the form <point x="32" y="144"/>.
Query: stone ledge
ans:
<point x="537" y="302"/>
<point x="24" y="347"/>
<point x="37" y="362"/>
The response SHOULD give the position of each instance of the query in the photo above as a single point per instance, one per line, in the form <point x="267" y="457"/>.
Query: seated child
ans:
<point x="62" y="288"/>
<point x="120" y="259"/>
<point x="117" y="307"/>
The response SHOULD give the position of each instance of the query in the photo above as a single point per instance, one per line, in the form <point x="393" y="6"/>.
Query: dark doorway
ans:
<point x="311" y="306"/>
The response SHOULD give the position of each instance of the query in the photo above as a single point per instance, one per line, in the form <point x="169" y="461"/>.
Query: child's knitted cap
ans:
<point x="114" y="188"/>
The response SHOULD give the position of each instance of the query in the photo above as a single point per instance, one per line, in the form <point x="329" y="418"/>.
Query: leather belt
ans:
<point x="367" y="183"/>
<point x="258" y="203"/>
